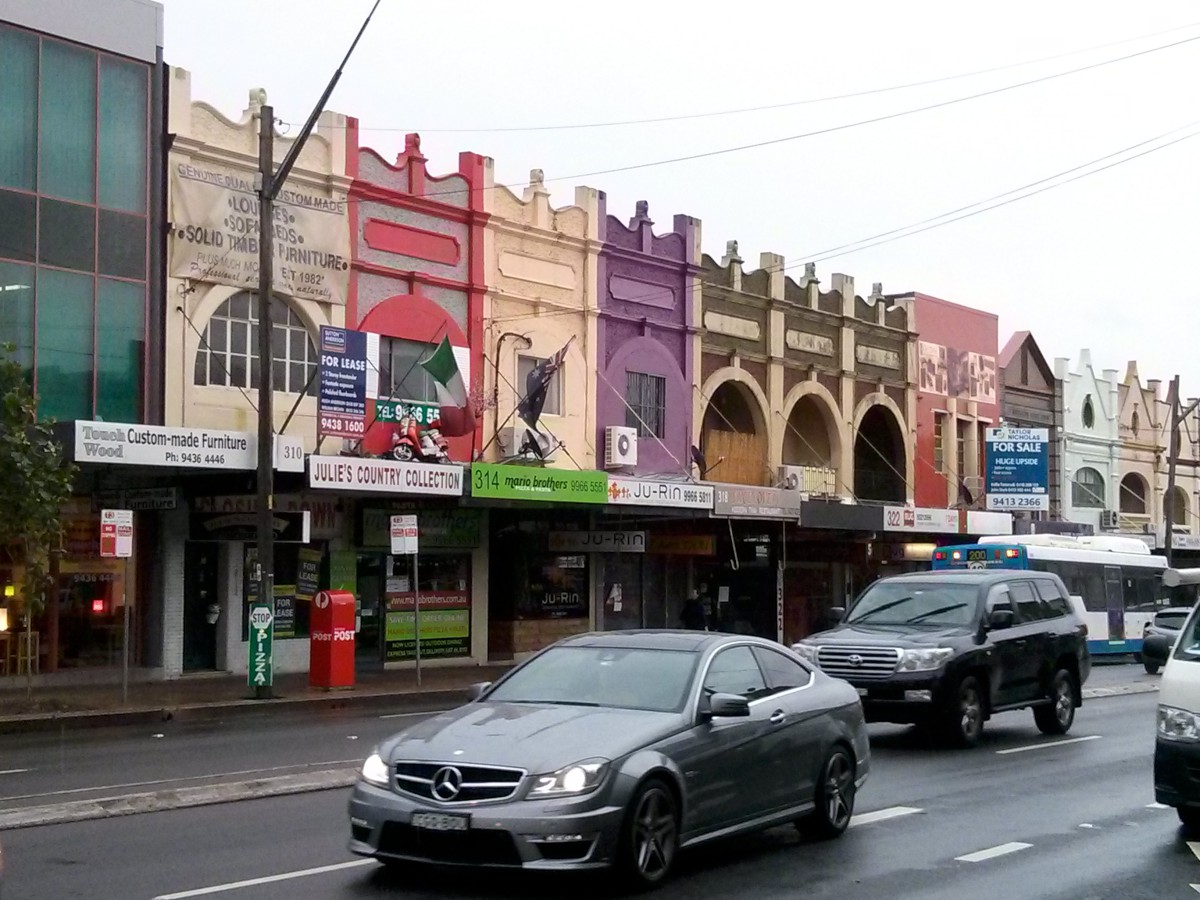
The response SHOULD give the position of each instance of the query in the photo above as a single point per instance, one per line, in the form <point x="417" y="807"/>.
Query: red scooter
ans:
<point x="412" y="443"/>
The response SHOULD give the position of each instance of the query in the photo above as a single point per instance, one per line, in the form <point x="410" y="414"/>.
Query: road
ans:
<point x="1020" y="816"/>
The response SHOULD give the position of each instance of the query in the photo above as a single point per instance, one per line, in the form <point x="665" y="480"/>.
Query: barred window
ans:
<point x="228" y="355"/>
<point x="647" y="399"/>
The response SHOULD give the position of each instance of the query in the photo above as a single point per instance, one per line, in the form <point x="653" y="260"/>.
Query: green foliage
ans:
<point x="35" y="481"/>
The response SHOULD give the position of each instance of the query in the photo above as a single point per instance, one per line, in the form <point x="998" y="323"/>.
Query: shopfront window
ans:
<point x="439" y="612"/>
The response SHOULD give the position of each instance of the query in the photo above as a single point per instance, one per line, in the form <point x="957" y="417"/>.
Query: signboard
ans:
<point x="395" y="410"/>
<point x="639" y="492"/>
<point x="384" y="476"/>
<point x="116" y="533"/>
<point x="154" y="445"/>
<point x="325" y="519"/>
<point x="908" y="518"/>
<point x="737" y="501"/>
<point x="1018" y="468"/>
<point x="683" y="544"/>
<point x="349" y="375"/>
<point x="289" y="454"/>
<point x="404" y="535"/>
<point x="259" y="673"/>
<point x="444" y="632"/>
<point x="509" y="482"/>
<point x="289" y="527"/>
<point x="596" y="541"/>
<point x="215" y="226"/>
<point x="136" y="499"/>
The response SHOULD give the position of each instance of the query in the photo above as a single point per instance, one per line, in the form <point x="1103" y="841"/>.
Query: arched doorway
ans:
<point x="879" y="457"/>
<point x="733" y="436"/>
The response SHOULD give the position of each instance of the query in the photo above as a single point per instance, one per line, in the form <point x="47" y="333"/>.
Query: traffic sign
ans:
<point x="116" y="533"/>
<point x="404" y="535"/>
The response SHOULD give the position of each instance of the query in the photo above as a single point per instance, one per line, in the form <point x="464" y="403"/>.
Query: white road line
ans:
<point x="267" y="879"/>
<point x="1078" y="740"/>
<point x="431" y="712"/>
<point x="14" y="771"/>
<point x="993" y="852"/>
<point x="1195" y="848"/>
<point x="882" y="815"/>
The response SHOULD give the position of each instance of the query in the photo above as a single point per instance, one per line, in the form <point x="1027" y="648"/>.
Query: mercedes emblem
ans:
<point x="447" y="782"/>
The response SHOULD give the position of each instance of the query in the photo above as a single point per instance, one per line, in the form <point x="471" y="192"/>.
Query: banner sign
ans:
<point x="508" y="482"/>
<point x="748" y="502"/>
<point x="215" y="227"/>
<point x="395" y="410"/>
<point x="931" y="520"/>
<point x="349" y="375"/>
<point x="289" y="527"/>
<point x="384" y="476"/>
<point x="639" y="492"/>
<point x="154" y="445"/>
<point x="1018" y="468"/>
<point x="597" y="541"/>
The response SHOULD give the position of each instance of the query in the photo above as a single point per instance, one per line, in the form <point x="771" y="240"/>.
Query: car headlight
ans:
<point x="806" y="651"/>
<point x="1178" y="724"/>
<point x="923" y="660"/>
<point x="577" y="778"/>
<point x="375" y="771"/>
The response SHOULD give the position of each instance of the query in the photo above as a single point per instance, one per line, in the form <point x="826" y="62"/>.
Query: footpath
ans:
<point x="221" y="697"/>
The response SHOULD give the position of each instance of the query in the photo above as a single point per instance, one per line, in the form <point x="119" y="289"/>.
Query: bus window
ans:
<point x="1141" y="590"/>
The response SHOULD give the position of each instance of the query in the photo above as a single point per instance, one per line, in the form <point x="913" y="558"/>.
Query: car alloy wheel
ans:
<point x="1057" y="716"/>
<point x="965" y="723"/>
<point x="652" y="834"/>
<point x="834" y="796"/>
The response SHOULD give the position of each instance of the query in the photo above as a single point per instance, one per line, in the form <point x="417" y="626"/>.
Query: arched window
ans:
<point x="1180" y="513"/>
<point x="1087" y="489"/>
<point x="228" y="355"/>
<point x="1089" y="414"/>
<point x="1133" y="495"/>
<point x="1134" y="423"/>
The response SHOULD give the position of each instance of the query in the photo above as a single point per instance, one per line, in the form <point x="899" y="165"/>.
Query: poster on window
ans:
<point x="349" y="375"/>
<point x="215" y="226"/>
<point x="445" y="620"/>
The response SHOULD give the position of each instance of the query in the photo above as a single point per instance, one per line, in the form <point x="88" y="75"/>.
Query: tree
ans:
<point x="35" y="482"/>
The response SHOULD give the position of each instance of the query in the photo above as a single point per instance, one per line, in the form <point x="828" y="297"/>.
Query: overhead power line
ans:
<point x="849" y="95"/>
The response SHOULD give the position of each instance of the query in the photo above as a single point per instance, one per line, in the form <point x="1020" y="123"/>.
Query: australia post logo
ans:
<point x="338" y="634"/>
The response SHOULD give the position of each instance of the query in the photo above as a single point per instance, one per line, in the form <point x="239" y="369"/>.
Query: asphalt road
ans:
<point x="1021" y="816"/>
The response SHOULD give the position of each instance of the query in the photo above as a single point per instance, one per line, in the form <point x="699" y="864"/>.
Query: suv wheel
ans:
<point x="964" y="722"/>
<point x="1059" y="714"/>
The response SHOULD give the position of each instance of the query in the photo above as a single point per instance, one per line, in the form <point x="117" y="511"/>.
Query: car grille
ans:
<point x="857" y="663"/>
<point x="478" y="846"/>
<point x="475" y="783"/>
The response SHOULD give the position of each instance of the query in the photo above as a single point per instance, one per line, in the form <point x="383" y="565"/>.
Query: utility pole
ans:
<point x="270" y="180"/>
<point x="1177" y="415"/>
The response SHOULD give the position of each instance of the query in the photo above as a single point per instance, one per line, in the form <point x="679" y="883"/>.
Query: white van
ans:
<point x="1177" y="745"/>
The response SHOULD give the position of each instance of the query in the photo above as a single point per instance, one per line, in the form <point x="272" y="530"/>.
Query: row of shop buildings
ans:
<point x="740" y="433"/>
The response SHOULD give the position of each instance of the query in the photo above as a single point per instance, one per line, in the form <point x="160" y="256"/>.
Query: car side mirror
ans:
<point x="1000" y="618"/>
<point x="475" y="691"/>
<point x="836" y="613"/>
<point x="727" y="706"/>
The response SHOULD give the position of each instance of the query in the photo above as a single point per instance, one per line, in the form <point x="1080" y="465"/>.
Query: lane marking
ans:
<point x="1194" y="846"/>
<point x="14" y="771"/>
<point x="432" y="712"/>
<point x="882" y="815"/>
<point x="1078" y="740"/>
<point x="993" y="852"/>
<point x="161" y="781"/>
<point x="266" y="879"/>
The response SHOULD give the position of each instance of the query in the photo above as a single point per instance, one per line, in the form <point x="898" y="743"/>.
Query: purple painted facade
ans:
<point x="646" y="325"/>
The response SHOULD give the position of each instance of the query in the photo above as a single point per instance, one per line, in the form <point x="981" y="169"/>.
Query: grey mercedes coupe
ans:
<point x="618" y="749"/>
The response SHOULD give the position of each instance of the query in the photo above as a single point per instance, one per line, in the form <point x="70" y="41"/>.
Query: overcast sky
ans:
<point x="1106" y="261"/>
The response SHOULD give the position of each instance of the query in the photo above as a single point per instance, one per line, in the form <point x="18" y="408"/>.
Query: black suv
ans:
<point x="946" y="650"/>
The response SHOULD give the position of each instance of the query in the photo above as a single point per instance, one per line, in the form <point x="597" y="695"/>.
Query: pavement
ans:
<point x="224" y="696"/>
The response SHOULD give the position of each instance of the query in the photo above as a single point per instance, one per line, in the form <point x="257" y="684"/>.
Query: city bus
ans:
<point x="1115" y="582"/>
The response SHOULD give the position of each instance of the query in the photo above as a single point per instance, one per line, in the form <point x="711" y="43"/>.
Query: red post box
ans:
<point x="331" y="640"/>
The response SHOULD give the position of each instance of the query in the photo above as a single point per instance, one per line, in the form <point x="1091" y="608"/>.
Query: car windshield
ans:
<point x="1170" y="620"/>
<point x="649" y="679"/>
<point x="909" y="603"/>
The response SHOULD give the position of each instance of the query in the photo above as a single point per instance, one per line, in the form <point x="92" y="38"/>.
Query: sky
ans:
<point x="1103" y="262"/>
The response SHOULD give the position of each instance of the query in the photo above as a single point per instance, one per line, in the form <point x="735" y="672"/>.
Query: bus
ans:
<point x="1115" y="582"/>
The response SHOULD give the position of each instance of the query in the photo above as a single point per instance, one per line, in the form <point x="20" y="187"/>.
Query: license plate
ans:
<point x="437" y="821"/>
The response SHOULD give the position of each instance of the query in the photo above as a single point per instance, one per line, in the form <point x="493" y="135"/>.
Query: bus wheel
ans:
<point x="1057" y="716"/>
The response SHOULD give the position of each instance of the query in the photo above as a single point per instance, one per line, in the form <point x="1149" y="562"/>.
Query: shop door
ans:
<point x="199" y="593"/>
<point x="368" y="643"/>
<point x="622" y="592"/>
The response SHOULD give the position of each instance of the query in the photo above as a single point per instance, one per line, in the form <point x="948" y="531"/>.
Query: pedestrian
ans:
<point x="693" y="616"/>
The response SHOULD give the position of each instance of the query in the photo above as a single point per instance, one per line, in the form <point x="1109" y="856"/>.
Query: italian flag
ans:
<point x="455" y="405"/>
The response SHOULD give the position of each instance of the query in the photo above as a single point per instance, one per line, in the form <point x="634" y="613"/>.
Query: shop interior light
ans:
<point x="98" y="605"/>
<point x="3" y="618"/>
<point x="10" y="590"/>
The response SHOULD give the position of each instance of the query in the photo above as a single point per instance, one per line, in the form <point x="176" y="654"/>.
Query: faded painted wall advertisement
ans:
<point x="215" y="225"/>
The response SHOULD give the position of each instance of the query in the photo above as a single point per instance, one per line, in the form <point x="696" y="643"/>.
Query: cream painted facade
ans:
<point x="541" y="271"/>
<point x="1091" y="442"/>
<point x="205" y="137"/>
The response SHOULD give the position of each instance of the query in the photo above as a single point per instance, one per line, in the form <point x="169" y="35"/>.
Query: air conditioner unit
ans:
<point x="620" y="446"/>
<point x="790" y="477"/>
<point x="1109" y="518"/>
<point x="520" y="441"/>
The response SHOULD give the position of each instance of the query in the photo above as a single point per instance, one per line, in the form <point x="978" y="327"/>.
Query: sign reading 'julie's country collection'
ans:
<point x="384" y="476"/>
<point x="215" y="227"/>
